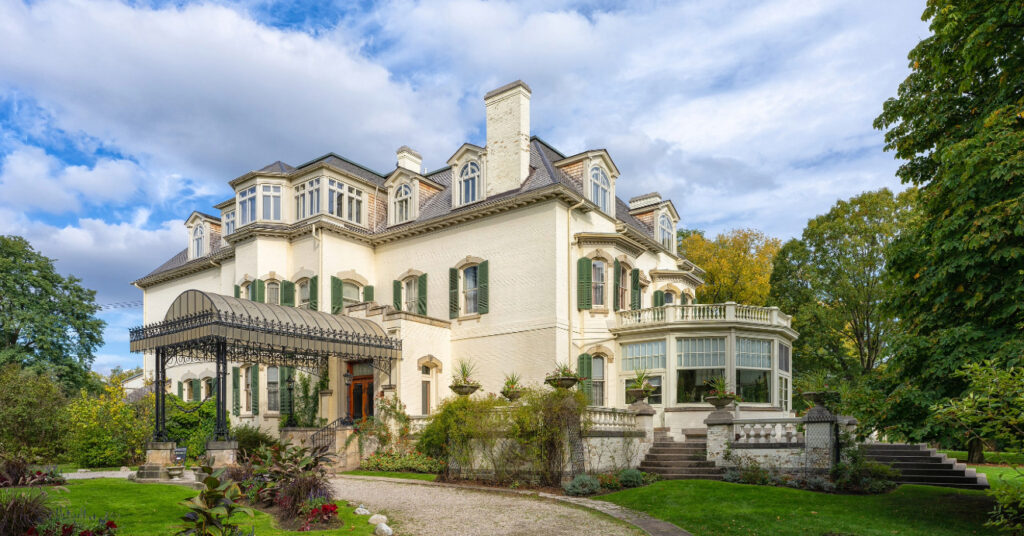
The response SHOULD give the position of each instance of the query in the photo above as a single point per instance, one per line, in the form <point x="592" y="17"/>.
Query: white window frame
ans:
<point x="336" y="197"/>
<point x="600" y="188"/>
<point x="198" y="239"/>
<point x="270" y="197"/>
<point x="598" y="282"/>
<point x="273" y="389"/>
<point x="229" y="222"/>
<point x="711" y="355"/>
<point x="402" y="205"/>
<point x="302" y="287"/>
<point x="471" y="295"/>
<point x="756" y="366"/>
<point x="345" y="287"/>
<point x="597" y="384"/>
<point x="624" y="281"/>
<point x="410" y="287"/>
<point x="273" y="289"/>
<point x="354" y="205"/>
<point x="307" y="199"/>
<point x="667" y="236"/>
<point x="646" y="355"/>
<point x="247" y="206"/>
<point x="469" y="171"/>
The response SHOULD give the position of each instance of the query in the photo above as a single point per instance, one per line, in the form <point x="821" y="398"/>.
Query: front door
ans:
<point x="360" y="391"/>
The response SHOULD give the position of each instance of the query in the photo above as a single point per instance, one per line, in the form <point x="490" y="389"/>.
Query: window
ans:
<point x="274" y="293"/>
<point x="273" y="390"/>
<point x="247" y="290"/>
<point x="248" y="389"/>
<point x="197" y="241"/>
<point x="667" y="237"/>
<point x="469" y="183"/>
<point x="753" y="369"/>
<point x="600" y="188"/>
<point x="699" y="360"/>
<point x="349" y="294"/>
<point x="469" y="289"/>
<point x="247" y="205"/>
<point x="229" y="222"/>
<point x="670" y="298"/>
<point x="303" y="285"/>
<point x="597" y="380"/>
<point x="411" y="295"/>
<point x="784" y="393"/>
<point x="643" y="355"/>
<point x="354" y="213"/>
<point x="207" y="388"/>
<point x="307" y="199"/>
<point x="425" y="397"/>
<point x="784" y="357"/>
<point x="623" y="287"/>
<point x="597" y="282"/>
<point x="655" y="397"/>
<point x="403" y="200"/>
<point x="335" y="197"/>
<point x="271" y="202"/>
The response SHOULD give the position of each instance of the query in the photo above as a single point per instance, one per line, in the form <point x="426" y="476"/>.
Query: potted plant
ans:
<point x="815" y="387"/>
<point x="512" y="388"/>
<point x="463" y="383"/>
<point x="719" y="394"/>
<point x="639" y="387"/>
<point x="562" y="377"/>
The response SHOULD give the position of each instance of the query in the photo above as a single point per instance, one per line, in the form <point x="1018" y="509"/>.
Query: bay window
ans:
<point x="247" y="205"/>
<point x="229" y="222"/>
<point x="753" y="369"/>
<point x="307" y="199"/>
<point x="271" y="202"/>
<point x="698" y="359"/>
<point x="643" y="355"/>
<point x="354" y="213"/>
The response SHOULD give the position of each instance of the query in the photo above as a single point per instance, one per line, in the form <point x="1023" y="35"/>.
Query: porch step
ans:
<point x="920" y="465"/>
<point x="681" y="460"/>
<point x="676" y="463"/>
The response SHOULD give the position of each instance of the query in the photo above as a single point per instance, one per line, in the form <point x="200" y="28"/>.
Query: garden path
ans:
<point x="425" y="509"/>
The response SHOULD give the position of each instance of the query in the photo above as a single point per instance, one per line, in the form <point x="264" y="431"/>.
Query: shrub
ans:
<point x="250" y="438"/>
<point x="1008" y="515"/>
<point x="211" y="512"/>
<point x="631" y="478"/>
<point x="582" y="486"/>
<point x="609" y="481"/>
<point x="288" y="476"/>
<point x="415" y="462"/>
<point x="106" y="430"/>
<point x="190" y="424"/>
<point x="33" y="415"/>
<point x="15" y="471"/>
<point x="21" y="510"/>
<point x="650" y="478"/>
<point x="856" y="474"/>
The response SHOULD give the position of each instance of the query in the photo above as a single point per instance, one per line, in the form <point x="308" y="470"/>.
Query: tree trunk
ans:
<point x="975" y="451"/>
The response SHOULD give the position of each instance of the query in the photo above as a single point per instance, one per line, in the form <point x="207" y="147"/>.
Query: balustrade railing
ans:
<point x="704" y="312"/>
<point x="773" y="431"/>
<point x="611" y="419"/>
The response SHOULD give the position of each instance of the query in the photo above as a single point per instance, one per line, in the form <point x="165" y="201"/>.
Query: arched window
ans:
<point x="666" y="235"/>
<point x="597" y="282"/>
<point x="350" y="293"/>
<point x="197" y="242"/>
<point x="303" y="285"/>
<point x="274" y="292"/>
<point x="670" y="297"/>
<point x="470" y="289"/>
<point x="469" y="183"/>
<point x="600" y="188"/>
<point x="403" y="201"/>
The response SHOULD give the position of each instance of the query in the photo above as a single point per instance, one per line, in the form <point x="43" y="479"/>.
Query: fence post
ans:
<point x="820" y="438"/>
<point x="720" y="434"/>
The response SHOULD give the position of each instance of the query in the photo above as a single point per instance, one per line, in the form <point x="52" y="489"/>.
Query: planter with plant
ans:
<point x="562" y="377"/>
<point x="463" y="383"/>
<point x="512" y="389"/>
<point x="719" y="393"/>
<point x="640" y="387"/>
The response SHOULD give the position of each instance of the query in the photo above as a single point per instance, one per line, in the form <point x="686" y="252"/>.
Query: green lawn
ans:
<point x="1006" y="458"/>
<point x="1000" y="475"/>
<point x="722" y="509"/>
<point x="153" y="510"/>
<point x="391" y="474"/>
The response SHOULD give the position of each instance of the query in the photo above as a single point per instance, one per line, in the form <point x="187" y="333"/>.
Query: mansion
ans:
<point x="513" y="256"/>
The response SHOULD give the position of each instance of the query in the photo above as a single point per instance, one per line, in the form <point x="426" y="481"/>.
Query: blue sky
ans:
<point x="119" y="119"/>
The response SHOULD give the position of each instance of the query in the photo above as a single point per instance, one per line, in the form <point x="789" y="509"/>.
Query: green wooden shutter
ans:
<point x="585" y="369"/>
<point x="368" y="293"/>
<point x="238" y="291"/>
<point x="259" y="291"/>
<point x="314" y="292"/>
<point x="483" y="293"/>
<point x="181" y="391"/>
<point x="616" y="285"/>
<point x="634" y="289"/>
<point x="421" y="295"/>
<point x="236" y="396"/>
<point x="396" y="294"/>
<point x="453" y="293"/>
<point x="288" y="293"/>
<point x="196" y="391"/>
<point x="337" y="295"/>
<point x="254" y="387"/>
<point x="659" y="298"/>
<point x="584" y="292"/>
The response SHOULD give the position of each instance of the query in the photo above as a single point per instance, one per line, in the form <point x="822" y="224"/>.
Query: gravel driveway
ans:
<point x="421" y="510"/>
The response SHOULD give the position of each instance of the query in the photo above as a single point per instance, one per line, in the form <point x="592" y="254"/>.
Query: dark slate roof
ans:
<point x="205" y="215"/>
<point x="622" y="213"/>
<point x="345" y="164"/>
<point x="277" y="167"/>
<point x="178" y="260"/>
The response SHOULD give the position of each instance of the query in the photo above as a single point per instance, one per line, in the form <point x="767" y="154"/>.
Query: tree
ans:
<point x="47" y="321"/>
<point x="32" y="414"/>
<point x="106" y="430"/>
<point x="833" y="280"/>
<point x="737" y="265"/>
<point x="958" y="124"/>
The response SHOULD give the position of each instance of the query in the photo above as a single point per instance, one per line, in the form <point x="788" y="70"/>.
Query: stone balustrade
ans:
<point x="703" y="313"/>
<point x="775" y="442"/>
<point x="767" y="432"/>
<point x="611" y="419"/>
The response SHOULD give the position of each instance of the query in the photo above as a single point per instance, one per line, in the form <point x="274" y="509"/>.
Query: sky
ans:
<point x="118" y="119"/>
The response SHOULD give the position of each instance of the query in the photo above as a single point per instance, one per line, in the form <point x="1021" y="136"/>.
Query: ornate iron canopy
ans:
<point x="262" y="333"/>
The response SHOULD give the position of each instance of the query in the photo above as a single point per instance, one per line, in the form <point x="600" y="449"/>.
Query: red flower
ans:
<point x="111" y="525"/>
<point x="31" y="532"/>
<point x="85" y="533"/>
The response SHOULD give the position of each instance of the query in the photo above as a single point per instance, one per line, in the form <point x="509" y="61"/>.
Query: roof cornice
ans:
<point x="619" y="240"/>
<point x="191" y="267"/>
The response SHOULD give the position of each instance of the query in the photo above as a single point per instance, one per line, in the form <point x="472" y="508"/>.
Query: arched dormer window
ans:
<point x="469" y="183"/>
<point x="666" y="236"/>
<point x="600" y="188"/>
<point x="197" y="242"/>
<point x="403" y="203"/>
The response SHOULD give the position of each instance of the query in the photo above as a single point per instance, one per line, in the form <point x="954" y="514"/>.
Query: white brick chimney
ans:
<point x="409" y="159"/>
<point x="508" y="137"/>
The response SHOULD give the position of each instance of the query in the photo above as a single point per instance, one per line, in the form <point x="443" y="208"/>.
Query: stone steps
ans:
<point x="686" y="460"/>
<point x="920" y="465"/>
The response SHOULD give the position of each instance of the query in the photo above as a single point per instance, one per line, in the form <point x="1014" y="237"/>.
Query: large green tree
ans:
<point x="833" y="281"/>
<point x="47" y="321"/>
<point x="32" y="416"/>
<point x="958" y="124"/>
<point x="737" y="264"/>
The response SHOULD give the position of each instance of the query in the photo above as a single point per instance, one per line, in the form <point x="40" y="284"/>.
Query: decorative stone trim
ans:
<point x="617" y="240"/>
<point x="409" y="273"/>
<point x="429" y="361"/>
<point x="468" y="261"/>
<point x="352" y="276"/>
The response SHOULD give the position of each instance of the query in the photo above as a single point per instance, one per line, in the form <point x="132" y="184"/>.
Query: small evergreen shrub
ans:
<point x="582" y="485"/>
<point x="631" y="478"/>
<point x="414" y="462"/>
<point x="250" y="438"/>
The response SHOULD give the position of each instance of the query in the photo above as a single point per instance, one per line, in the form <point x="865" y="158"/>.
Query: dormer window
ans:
<point x="354" y="213"/>
<point x="229" y="222"/>
<point x="307" y="199"/>
<point x="666" y="236"/>
<point x="197" y="242"/>
<point x="469" y="183"/>
<point x="403" y="202"/>
<point x="247" y="205"/>
<point x="271" y="202"/>
<point x="600" y="188"/>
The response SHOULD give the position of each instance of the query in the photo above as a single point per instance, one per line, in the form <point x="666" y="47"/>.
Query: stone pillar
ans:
<point x="645" y="423"/>
<point x="720" y="435"/>
<point x="159" y="455"/>
<point x="819" y="437"/>
<point x="222" y="453"/>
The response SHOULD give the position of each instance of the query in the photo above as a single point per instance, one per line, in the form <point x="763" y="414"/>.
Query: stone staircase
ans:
<point x="680" y="460"/>
<point x="921" y="465"/>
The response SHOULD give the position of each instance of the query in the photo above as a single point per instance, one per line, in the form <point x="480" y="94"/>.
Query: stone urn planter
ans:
<point x="636" y="395"/>
<point x="818" y="413"/>
<point x="464" y="389"/>
<point x="720" y="402"/>
<point x="512" y="394"/>
<point x="561" y="382"/>
<point x="817" y="397"/>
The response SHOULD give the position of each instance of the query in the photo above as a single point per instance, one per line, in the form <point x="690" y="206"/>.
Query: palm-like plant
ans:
<point x="211" y="512"/>
<point x="464" y="373"/>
